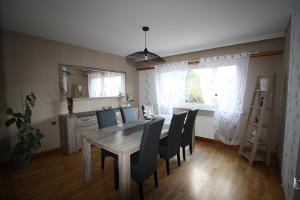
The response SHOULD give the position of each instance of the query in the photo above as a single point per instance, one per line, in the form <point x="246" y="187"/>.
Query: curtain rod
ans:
<point x="251" y="54"/>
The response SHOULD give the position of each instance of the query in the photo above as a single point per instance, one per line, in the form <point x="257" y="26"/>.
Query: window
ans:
<point x="106" y="84"/>
<point x="203" y="85"/>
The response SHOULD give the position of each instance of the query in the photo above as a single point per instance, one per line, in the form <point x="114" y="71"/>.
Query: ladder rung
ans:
<point x="250" y="140"/>
<point x="256" y="124"/>
<point x="253" y="123"/>
<point x="260" y="90"/>
<point x="256" y="107"/>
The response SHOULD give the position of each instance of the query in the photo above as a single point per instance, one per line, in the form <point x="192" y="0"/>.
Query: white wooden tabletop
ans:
<point x="120" y="138"/>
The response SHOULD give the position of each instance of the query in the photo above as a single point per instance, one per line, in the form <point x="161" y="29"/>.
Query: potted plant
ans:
<point x="128" y="100"/>
<point x="29" y="138"/>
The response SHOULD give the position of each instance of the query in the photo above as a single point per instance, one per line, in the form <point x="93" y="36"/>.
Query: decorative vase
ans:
<point x="21" y="160"/>
<point x="70" y="104"/>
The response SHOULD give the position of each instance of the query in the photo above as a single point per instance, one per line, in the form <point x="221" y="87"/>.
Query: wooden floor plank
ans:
<point x="213" y="171"/>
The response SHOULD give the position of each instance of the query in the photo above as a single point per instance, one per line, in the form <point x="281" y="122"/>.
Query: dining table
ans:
<point x="123" y="140"/>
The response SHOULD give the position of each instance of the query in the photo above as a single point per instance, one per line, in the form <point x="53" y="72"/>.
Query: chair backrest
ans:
<point x="148" y="111"/>
<point x="189" y="126"/>
<point x="106" y="118"/>
<point x="149" y="147"/>
<point x="128" y="114"/>
<point x="174" y="134"/>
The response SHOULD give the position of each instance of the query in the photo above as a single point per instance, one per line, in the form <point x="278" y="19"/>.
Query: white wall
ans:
<point x="291" y="143"/>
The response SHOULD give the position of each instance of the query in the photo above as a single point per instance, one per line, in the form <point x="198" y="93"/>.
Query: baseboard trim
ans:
<point x="47" y="152"/>
<point x="215" y="141"/>
<point x="246" y="148"/>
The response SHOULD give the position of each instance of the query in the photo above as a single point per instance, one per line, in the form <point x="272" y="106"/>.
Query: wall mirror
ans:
<point x="87" y="82"/>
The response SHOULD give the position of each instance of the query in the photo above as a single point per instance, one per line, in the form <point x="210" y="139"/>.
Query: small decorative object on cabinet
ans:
<point x="70" y="104"/>
<point x="128" y="100"/>
<point x="29" y="138"/>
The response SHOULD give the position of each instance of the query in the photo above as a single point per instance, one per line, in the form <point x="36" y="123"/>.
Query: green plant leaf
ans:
<point x="10" y="122"/>
<point x="9" y="111"/>
<point x="33" y="96"/>
<point x="38" y="133"/>
<point x="17" y="115"/>
<point x="20" y="148"/>
<point x="19" y="123"/>
<point x="28" y="112"/>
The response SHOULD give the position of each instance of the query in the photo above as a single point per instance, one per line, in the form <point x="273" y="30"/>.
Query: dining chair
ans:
<point x="128" y="114"/>
<point x="187" y="136"/>
<point x="170" y="145"/>
<point x="105" y="119"/>
<point x="144" y="162"/>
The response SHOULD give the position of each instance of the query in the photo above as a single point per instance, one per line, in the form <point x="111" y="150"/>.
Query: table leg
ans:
<point x="86" y="160"/>
<point x="124" y="175"/>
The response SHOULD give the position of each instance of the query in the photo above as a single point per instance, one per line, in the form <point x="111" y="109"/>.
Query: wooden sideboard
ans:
<point x="72" y="125"/>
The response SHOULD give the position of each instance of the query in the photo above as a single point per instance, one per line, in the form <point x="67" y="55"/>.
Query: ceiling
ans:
<point x="176" y="26"/>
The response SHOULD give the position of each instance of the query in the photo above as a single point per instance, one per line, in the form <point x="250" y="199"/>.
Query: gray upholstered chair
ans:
<point x="144" y="162"/>
<point x="187" y="136"/>
<point x="128" y="114"/>
<point x="105" y="119"/>
<point x="170" y="146"/>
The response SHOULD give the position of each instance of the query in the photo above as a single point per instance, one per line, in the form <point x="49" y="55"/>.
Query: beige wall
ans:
<point x="257" y="66"/>
<point x="31" y="64"/>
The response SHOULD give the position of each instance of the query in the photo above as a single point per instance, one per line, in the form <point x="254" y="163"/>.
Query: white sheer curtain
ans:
<point x="227" y="82"/>
<point x="95" y="84"/>
<point x="106" y="84"/>
<point x="170" y="86"/>
<point x="112" y="84"/>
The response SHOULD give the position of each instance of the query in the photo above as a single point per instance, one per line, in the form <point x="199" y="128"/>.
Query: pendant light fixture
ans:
<point x="142" y="58"/>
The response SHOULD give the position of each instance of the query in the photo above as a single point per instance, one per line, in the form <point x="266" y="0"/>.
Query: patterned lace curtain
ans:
<point x="227" y="81"/>
<point x="147" y="89"/>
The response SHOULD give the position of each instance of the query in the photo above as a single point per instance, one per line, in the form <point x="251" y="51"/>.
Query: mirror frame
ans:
<point x="60" y="81"/>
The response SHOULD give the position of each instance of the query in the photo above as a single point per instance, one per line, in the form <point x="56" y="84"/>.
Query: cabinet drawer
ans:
<point x="91" y="119"/>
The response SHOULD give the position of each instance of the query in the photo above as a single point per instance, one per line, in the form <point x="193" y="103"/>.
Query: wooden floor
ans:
<point x="213" y="171"/>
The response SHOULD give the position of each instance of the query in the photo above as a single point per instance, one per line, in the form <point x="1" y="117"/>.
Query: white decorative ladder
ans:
<point x="255" y="143"/>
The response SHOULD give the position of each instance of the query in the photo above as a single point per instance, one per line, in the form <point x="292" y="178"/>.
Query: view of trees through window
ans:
<point x="203" y="85"/>
<point x="193" y="92"/>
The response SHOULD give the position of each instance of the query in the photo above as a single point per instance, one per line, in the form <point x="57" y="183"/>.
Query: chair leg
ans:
<point x="141" y="191"/>
<point x="168" y="167"/>
<point x="116" y="178"/>
<point x="178" y="159"/>
<point x="155" y="178"/>
<point x="183" y="153"/>
<point x="102" y="161"/>
<point x="191" y="149"/>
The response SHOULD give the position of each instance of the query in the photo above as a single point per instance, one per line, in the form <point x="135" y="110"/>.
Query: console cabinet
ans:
<point x="72" y="125"/>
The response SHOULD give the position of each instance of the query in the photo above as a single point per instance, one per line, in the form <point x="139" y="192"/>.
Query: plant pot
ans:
<point x="21" y="160"/>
